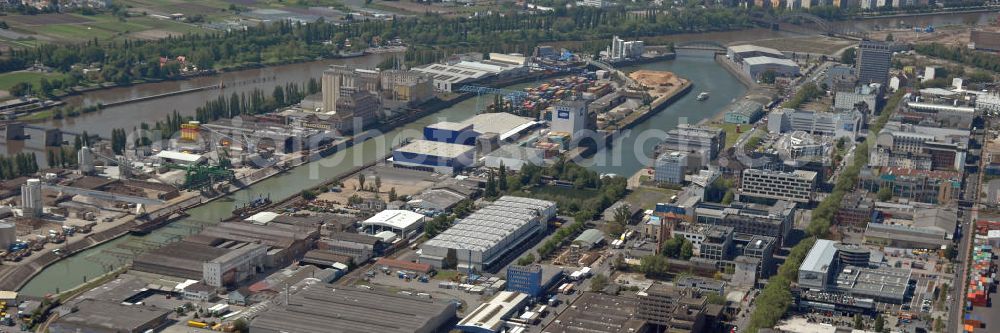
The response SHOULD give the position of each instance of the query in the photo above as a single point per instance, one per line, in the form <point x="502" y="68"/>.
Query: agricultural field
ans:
<point x="8" y="80"/>
<point x="70" y="28"/>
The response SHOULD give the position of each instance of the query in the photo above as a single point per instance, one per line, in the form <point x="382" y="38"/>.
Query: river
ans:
<point x="632" y="150"/>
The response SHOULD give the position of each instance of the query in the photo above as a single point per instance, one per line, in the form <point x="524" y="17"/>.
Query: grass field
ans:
<point x="731" y="134"/>
<point x="76" y="28"/>
<point x="8" y="80"/>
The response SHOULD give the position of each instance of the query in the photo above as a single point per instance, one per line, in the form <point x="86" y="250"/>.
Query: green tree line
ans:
<point x="18" y="165"/>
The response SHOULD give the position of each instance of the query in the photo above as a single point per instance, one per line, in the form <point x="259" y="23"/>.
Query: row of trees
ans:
<point x="983" y="60"/>
<point x="18" y="165"/>
<point x="776" y="297"/>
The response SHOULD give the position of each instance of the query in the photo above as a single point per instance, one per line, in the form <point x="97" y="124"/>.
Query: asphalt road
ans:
<point x="965" y="247"/>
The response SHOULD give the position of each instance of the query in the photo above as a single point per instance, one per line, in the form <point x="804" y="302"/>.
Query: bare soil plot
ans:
<point x="46" y="19"/>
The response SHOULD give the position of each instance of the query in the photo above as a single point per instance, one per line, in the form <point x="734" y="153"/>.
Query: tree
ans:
<point x="361" y="181"/>
<point x="884" y="193"/>
<point x="491" y="185"/>
<point x="849" y="56"/>
<point x="20" y="89"/>
<point x="858" y="323"/>
<point x="526" y="260"/>
<point x="687" y="250"/>
<point x="728" y="197"/>
<point x="889" y="37"/>
<point x="240" y="325"/>
<point x="598" y="282"/>
<point x="618" y="263"/>
<point x="503" y="178"/>
<point x="278" y="95"/>
<point x="378" y="184"/>
<point x="654" y="265"/>
<point x="308" y="195"/>
<point x="392" y="194"/>
<point x="879" y="324"/>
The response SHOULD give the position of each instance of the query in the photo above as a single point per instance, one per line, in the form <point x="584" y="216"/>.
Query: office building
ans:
<point x="755" y="219"/>
<point x="708" y="141"/>
<point x="676" y="309"/>
<point x="532" y="280"/>
<point x="934" y="187"/>
<point x="491" y="236"/>
<point x="836" y="124"/>
<point x="570" y="117"/>
<point x="823" y="270"/>
<point x="870" y="94"/>
<point x="855" y="211"/>
<point x="324" y="308"/>
<point x="671" y="167"/>
<point x="874" y="61"/>
<point x="795" y="186"/>
<point x="31" y="198"/>
<point x="920" y="147"/>
<point x="708" y="241"/>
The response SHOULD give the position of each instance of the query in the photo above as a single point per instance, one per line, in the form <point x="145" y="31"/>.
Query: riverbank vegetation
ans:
<point x="17" y="165"/>
<point x="126" y="61"/>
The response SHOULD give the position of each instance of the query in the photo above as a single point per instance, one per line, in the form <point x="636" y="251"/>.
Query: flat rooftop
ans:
<point x="323" y="308"/>
<point x="593" y="312"/>
<point x="435" y="148"/>
<point x="107" y="316"/>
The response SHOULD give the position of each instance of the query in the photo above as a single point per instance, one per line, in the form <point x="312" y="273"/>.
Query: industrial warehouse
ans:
<point x="485" y="238"/>
<point x="321" y="308"/>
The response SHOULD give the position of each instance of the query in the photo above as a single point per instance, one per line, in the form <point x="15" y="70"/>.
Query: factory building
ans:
<point x="756" y="67"/>
<point x="31" y="198"/>
<point x="745" y="112"/>
<point x="451" y="76"/>
<point x="101" y="316"/>
<point x="795" y="186"/>
<point x="985" y="40"/>
<point x="434" y="156"/>
<point x="491" y="316"/>
<point x="621" y="49"/>
<point x="739" y="52"/>
<point x="595" y="312"/>
<point x="229" y="253"/>
<point x="323" y="308"/>
<point x="570" y="117"/>
<point x="403" y="223"/>
<point x="490" y="236"/>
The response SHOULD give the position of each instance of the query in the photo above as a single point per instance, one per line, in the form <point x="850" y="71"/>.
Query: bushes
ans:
<point x="553" y="243"/>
